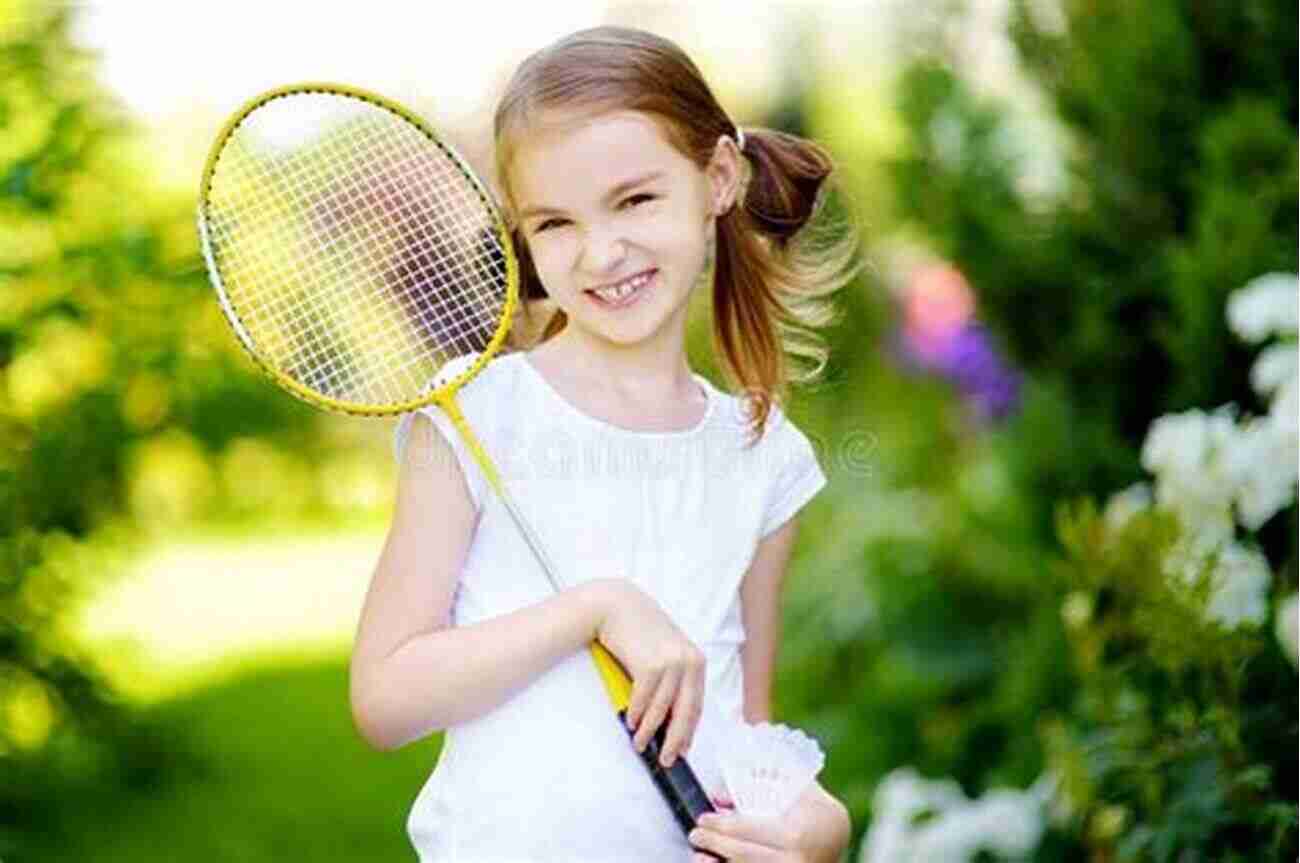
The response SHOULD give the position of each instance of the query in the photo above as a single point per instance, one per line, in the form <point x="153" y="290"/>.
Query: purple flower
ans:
<point x="968" y="359"/>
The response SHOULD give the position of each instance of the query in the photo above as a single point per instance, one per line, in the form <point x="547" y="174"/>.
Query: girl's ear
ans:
<point x="726" y="173"/>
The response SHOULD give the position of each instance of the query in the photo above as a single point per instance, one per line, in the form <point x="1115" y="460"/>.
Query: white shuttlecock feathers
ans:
<point x="767" y="766"/>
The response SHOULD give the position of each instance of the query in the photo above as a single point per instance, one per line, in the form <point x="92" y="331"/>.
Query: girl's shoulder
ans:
<point x="485" y="400"/>
<point x="780" y="432"/>
<point x="478" y="397"/>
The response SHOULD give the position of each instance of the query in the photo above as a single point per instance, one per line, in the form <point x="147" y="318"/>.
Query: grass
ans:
<point x="288" y="779"/>
<point x="240" y="644"/>
<point x="191" y="608"/>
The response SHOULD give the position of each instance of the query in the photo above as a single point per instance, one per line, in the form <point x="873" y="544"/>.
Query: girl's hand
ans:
<point x="816" y="830"/>
<point x="666" y="669"/>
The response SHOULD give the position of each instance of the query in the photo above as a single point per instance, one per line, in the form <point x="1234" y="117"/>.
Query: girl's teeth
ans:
<point x="621" y="291"/>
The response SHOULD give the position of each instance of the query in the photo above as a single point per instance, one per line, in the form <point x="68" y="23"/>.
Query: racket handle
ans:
<point x="677" y="784"/>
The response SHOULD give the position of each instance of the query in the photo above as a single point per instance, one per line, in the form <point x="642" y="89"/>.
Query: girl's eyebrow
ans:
<point x="609" y="196"/>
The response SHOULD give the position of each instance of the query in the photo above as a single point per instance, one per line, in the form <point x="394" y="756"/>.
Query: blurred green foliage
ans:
<point x="1181" y="157"/>
<point x="126" y="412"/>
<point x="926" y="625"/>
<point x="61" y="446"/>
<point x="281" y="775"/>
<point x="1181" y="738"/>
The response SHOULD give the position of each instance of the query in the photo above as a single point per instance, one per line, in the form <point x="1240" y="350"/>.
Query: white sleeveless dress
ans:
<point x="550" y="774"/>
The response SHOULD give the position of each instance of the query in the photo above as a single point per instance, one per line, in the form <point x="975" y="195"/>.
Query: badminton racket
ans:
<point x="357" y="256"/>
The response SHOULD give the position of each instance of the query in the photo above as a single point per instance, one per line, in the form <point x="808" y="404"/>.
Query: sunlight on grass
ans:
<point x="203" y="608"/>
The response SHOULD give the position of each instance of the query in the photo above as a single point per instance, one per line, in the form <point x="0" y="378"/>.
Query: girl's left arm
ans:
<point x="760" y="607"/>
<point x="821" y="821"/>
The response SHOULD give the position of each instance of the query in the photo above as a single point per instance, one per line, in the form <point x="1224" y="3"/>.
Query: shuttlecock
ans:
<point x="767" y="766"/>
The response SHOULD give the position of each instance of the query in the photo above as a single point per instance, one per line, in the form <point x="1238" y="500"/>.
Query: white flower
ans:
<point x="1205" y="464"/>
<point x="1285" y="410"/>
<point x="1208" y="467"/>
<point x="1004" y="822"/>
<point x="1194" y="479"/>
<point x="1239" y="578"/>
<point x="1240" y="593"/>
<point x="1264" y="306"/>
<point x="1287" y="626"/>
<point x="1183" y="443"/>
<point x="901" y="798"/>
<point x="1274" y="367"/>
<point x="1264" y="462"/>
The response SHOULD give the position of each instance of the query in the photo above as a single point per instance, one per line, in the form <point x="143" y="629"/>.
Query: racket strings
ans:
<point x="357" y="254"/>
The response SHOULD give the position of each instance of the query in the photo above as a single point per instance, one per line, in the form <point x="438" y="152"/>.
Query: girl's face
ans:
<point x="618" y="222"/>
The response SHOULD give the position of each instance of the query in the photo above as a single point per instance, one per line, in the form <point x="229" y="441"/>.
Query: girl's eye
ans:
<point x="548" y="224"/>
<point x="639" y="198"/>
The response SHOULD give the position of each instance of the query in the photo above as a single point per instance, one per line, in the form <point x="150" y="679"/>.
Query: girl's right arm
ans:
<point x="412" y="673"/>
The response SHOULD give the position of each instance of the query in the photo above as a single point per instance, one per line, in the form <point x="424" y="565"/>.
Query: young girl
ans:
<point x="667" y="505"/>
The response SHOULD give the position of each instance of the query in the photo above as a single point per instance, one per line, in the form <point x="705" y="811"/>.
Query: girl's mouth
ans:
<point x="626" y="292"/>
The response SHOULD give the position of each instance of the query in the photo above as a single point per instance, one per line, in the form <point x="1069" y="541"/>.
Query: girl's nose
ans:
<point x="602" y="252"/>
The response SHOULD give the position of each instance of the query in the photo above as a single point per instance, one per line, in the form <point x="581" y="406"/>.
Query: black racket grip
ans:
<point x="685" y="796"/>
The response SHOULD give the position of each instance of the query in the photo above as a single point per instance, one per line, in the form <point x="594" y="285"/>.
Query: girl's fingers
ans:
<point x="744" y="837"/>
<point x="685" y="718"/>
<point x="658" y="709"/>
<point x="643" y="689"/>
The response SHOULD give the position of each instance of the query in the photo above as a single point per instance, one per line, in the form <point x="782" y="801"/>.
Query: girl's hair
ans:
<point x="772" y="281"/>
